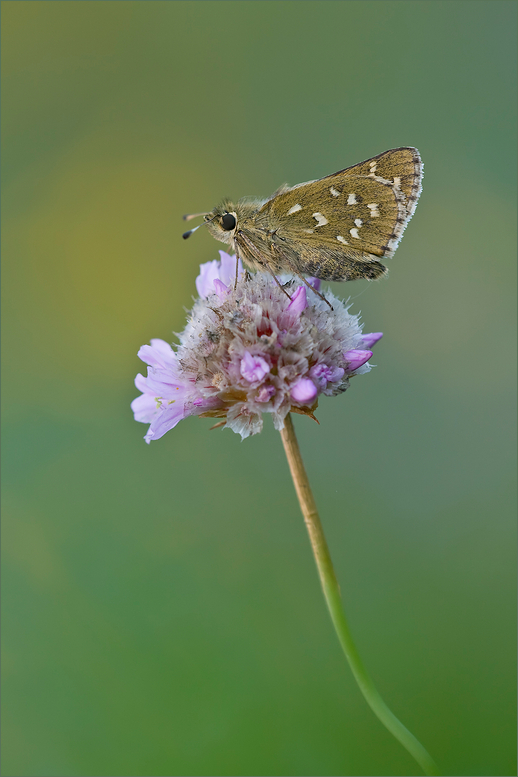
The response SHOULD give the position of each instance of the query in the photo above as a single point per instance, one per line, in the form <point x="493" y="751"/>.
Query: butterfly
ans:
<point x="336" y="228"/>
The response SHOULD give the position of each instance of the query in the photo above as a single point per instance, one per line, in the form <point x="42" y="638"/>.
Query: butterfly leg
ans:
<point x="279" y="284"/>
<point x="295" y="272"/>
<point x="237" y="267"/>
<point x="308" y="284"/>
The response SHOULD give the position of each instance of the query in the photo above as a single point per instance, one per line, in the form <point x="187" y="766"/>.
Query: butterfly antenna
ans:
<point x="190" y="231"/>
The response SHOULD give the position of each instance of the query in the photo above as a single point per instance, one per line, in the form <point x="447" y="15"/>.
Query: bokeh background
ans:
<point x="162" y="614"/>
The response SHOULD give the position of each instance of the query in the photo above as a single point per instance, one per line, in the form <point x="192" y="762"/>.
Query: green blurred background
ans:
<point x="162" y="614"/>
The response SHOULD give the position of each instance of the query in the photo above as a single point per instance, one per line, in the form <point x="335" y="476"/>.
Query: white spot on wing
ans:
<point x="354" y="233"/>
<point x="295" y="208"/>
<point x="334" y="192"/>
<point x="358" y="222"/>
<point x="351" y="199"/>
<point x="309" y="231"/>
<point x="397" y="182"/>
<point x="374" y="209"/>
<point x="342" y="240"/>
<point x="320" y="219"/>
<point x="372" y="166"/>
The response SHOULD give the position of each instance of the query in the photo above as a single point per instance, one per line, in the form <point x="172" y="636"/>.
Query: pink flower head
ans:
<point x="247" y="351"/>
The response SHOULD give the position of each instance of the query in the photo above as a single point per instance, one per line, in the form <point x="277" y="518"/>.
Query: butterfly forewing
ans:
<point x="353" y="211"/>
<point x="402" y="166"/>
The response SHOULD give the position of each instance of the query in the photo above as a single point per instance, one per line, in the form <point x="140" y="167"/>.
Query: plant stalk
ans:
<point x="334" y="603"/>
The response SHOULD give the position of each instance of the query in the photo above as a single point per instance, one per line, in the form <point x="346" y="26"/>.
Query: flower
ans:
<point x="250" y="350"/>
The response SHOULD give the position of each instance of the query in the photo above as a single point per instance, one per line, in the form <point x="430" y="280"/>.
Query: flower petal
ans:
<point x="304" y="391"/>
<point x="161" y="346"/>
<point x="356" y="358"/>
<point x="227" y="269"/>
<point x="166" y="418"/>
<point x="144" y="408"/>
<point x="299" y="301"/>
<point x="205" y="280"/>
<point x="161" y="383"/>
<point x="220" y="288"/>
<point x="265" y="394"/>
<point x="224" y="271"/>
<point x="141" y="383"/>
<point x="253" y="368"/>
<point x="371" y="339"/>
<point x="323" y="374"/>
<point x="158" y="354"/>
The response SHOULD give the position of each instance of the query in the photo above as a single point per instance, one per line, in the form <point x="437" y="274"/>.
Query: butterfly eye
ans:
<point x="228" y="221"/>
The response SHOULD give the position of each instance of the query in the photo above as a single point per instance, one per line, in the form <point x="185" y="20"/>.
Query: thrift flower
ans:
<point x="252" y="347"/>
<point x="248" y="351"/>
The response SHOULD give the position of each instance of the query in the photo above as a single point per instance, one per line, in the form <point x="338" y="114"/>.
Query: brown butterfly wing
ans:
<point x="403" y="164"/>
<point x="338" y="227"/>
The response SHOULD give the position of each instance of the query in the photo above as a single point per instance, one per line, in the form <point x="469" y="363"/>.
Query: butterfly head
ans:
<point x="222" y="221"/>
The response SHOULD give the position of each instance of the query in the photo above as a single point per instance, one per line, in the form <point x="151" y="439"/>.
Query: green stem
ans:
<point x="334" y="602"/>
